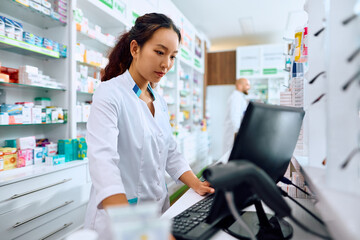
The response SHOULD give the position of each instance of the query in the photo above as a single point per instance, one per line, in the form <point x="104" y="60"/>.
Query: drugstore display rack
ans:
<point x="87" y="33"/>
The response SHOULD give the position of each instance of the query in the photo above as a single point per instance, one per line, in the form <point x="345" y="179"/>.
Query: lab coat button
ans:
<point x="160" y="134"/>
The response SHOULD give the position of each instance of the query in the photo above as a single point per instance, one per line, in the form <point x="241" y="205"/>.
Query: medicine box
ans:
<point x="38" y="155"/>
<point x="2" y="26"/>
<point x="55" y="160"/>
<point x="82" y="149"/>
<point x="26" y="142"/>
<point x="25" y="157"/>
<point x="65" y="147"/>
<point x="10" y="157"/>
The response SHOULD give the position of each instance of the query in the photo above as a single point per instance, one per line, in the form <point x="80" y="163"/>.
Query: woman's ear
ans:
<point x="134" y="48"/>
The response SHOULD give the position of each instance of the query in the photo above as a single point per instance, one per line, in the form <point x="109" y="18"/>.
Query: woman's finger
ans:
<point x="206" y="183"/>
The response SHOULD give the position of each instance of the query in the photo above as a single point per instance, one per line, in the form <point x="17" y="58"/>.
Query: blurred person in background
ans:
<point x="236" y="107"/>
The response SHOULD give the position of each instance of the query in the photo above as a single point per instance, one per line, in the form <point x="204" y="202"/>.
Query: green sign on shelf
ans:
<point x="119" y="6"/>
<point x="247" y="72"/>
<point x="135" y="16"/>
<point x="197" y="63"/>
<point x="270" y="71"/>
<point x="184" y="54"/>
<point x="108" y="3"/>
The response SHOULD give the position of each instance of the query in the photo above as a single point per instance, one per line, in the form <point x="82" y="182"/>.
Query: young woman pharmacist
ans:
<point x="130" y="144"/>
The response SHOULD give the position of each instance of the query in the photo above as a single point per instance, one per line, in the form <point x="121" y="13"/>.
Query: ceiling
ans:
<point x="249" y="21"/>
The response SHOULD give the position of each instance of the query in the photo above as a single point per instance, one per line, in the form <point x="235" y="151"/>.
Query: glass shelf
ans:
<point x="184" y="93"/>
<point x="81" y="122"/>
<point x="93" y="43"/>
<point x="18" y="85"/>
<point x="84" y="93"/>
<point x="23" y="48"/>
<point x="29" y="15"/>
<point x="88" y="64"/>
<point x="185" y="106"/>
<point x="30" y="124"/>
<point x="100" y="15"/>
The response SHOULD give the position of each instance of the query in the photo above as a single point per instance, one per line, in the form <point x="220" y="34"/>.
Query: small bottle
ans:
<point x="65" y="114"/>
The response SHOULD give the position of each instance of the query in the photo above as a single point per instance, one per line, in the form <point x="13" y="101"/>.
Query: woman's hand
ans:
<point x="204" y="188"/>
<point x="193" y="182"/>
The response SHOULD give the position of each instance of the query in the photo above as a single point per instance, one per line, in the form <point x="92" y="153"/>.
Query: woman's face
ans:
<point x="156" y="57"/>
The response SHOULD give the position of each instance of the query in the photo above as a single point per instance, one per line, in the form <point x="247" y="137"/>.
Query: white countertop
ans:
<point x="191" y="197"/>
<point x="20" y="174"/>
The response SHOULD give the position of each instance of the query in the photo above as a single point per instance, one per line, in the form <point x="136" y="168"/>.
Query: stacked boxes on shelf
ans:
<point x="85" y="83"/>
<point x="82" y="25"/>
<point x="27" y="151"/>
<point x="73" y="149"/>
<point x="56" y="9"/>
<point x="28" y="75"/>
<point x="29" y="113"/>
<point x="14" y="30"/>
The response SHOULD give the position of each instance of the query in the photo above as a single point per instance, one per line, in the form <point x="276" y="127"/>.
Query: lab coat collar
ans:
<point x="136" y="88"/>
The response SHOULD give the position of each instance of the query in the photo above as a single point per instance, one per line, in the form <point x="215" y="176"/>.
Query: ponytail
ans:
<point x="120" y="57"/>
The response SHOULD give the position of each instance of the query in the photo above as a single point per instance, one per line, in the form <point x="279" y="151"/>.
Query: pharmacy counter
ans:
<point x="190" y="198"/>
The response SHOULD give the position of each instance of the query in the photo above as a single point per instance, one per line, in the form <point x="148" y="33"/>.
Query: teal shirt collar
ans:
<point x="138" y="91"/>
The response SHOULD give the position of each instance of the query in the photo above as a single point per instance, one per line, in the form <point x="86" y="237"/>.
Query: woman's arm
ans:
<point x="193" y="182"/>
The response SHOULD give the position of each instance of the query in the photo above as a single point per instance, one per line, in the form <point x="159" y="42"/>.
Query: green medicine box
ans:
<point x="82" y="149"/>
<point x="65" y="147"/>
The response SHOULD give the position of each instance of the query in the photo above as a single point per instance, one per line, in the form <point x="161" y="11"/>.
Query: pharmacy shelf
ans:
<point x="185" y="106"/>
<point x="184" y="93"/>
<point x="27" y="49"/>
<point x="29" y="15"/>
<point x="81" y="122"/>
<point x="99" y="13"/>
<point x="92" y="43"/>
<point x="84" y="93"/>
<point x="88" y="64"/>
<point x="4" y="85"/>
<point x="30" y="124"/>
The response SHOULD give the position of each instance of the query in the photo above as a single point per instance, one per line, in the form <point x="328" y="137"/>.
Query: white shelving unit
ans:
<point x="263" y="65"/>
<point x="111" y="22"/>
<point x="61" y="191"/>
<point x="114" y="20"/>
<point x="15" y="53"/>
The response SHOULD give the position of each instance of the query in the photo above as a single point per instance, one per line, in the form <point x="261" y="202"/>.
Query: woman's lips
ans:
<point x="160" y="74"/>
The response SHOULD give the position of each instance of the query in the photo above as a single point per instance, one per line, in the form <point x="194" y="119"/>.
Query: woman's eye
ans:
<point x="159" y="52"/>
<point x="173" y="57"/>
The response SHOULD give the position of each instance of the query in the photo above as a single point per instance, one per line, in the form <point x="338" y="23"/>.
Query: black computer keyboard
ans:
<point x="190" y="224"/>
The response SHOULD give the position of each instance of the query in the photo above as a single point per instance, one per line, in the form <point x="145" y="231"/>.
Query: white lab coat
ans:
<point x="235" y="109"/>
<point x="128" y="150"/>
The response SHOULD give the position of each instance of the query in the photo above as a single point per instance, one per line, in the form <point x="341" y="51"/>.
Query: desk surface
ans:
<point x="191" y="197"/>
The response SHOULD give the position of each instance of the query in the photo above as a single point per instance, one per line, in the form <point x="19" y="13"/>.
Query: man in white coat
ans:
<point x="236" y="106"/>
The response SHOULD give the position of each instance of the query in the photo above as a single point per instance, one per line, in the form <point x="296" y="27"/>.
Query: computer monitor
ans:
<point x="267" y="137"/>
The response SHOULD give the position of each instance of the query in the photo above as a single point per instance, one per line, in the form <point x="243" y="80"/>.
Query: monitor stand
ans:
<point x="264" y="226"/>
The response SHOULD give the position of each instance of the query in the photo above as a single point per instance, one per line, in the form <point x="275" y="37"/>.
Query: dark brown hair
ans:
<point x="145" y="26"/>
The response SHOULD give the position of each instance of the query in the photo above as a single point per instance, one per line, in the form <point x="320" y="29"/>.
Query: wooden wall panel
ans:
<point x="221" y="68"/>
